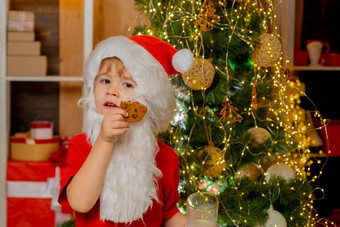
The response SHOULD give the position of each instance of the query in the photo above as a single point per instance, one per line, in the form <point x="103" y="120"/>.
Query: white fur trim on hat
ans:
<point x="182" y="60"/>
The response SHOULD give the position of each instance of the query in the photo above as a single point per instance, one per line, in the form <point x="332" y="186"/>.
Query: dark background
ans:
<point x="321" y="20"/>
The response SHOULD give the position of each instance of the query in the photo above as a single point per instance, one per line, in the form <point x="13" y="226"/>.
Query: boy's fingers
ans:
<point x="116" y="116"/>
<point x="120" y="124"/>
<point x="120" y="131"/>
<point x="115" y="111"/>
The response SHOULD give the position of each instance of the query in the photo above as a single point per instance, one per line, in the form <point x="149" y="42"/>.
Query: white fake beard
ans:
<point x="130" y="181"/>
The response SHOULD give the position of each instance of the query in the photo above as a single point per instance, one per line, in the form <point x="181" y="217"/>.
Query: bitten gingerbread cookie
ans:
<point x="135" y="109"/>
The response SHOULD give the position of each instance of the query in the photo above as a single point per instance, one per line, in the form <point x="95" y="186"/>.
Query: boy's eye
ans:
<point x="128" y="85"/>
<point x="105" y="81"/>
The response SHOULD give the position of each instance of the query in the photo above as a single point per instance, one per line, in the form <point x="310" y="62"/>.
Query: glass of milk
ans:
<point x="202" y="210"/>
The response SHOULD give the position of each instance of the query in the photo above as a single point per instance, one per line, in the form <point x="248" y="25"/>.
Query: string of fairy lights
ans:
<point x="284" y="109"/>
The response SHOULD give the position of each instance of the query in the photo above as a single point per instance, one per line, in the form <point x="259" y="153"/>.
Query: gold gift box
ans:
<point x="28" y="149"/>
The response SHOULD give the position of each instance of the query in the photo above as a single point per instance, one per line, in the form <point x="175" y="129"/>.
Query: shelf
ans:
<point x="315" y="155"/>
<point x="317" y="68"/>
<point x="45" y="78"/>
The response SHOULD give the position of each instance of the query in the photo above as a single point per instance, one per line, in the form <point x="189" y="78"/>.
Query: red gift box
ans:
<point x="32" y="193"/>
<point x="330" y="136"/>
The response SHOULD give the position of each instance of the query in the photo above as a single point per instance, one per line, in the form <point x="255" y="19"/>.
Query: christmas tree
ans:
<point x="238" y="129"/>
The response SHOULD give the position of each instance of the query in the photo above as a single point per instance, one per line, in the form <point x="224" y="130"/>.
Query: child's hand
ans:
<point x="114" y="125"/>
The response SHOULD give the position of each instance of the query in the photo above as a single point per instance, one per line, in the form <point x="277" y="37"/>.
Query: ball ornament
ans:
<point x="268" y="50"/>
<point x="214" y="162"/>
<point x="201" y="74"/>
<point x="259" y="136"/>
<point x="252" y="171"/>
<point x="282" y="170"/>
<point x="275" y="218"/>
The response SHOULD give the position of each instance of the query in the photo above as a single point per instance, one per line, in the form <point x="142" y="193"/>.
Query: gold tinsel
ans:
<point x="254" y="95"/>
<point x="268" y="50"/>
<point x="201" y="74"/>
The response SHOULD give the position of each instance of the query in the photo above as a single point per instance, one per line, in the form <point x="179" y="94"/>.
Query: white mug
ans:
<point x="314" y="49"/>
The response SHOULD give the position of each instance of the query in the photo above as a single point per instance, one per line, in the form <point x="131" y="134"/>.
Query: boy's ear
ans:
<point x="95" y="82"/>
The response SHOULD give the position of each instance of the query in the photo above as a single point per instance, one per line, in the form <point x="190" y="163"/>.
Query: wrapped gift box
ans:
<point x="27" y="65"/>
<point x="20" y="36"/>
<point x="32" y="192"/>
<point x="20" y="21"/>
<point x="28" y="149"/>
<point x="41" y="130"/>
<point x="26" y="48"/>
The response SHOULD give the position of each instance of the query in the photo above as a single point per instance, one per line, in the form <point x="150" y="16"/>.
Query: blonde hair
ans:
<point x="109" y="62"/>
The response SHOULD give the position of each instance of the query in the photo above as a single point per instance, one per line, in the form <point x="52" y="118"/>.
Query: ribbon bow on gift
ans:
<point x="19" y="25"/>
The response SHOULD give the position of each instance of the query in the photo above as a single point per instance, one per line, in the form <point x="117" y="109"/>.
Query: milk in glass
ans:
<point x="200" y="223"/>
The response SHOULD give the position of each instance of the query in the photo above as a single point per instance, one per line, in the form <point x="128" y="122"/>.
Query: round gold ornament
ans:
<point x="214" y="162"/>
<point x="259" y="136"/>
<point x="251" y="171"/>
<point x="201" y="74"/>
<point x="268" y="50"/>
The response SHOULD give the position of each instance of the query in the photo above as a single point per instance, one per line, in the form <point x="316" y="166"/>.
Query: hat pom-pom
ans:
<point x="182" y="60"/>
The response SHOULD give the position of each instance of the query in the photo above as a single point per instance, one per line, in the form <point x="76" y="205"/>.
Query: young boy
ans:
<point x="119" y="174"/>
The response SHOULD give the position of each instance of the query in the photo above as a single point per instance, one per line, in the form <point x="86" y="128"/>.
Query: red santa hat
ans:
<point x="135" y="50"/>
<point x="173" y="61"/>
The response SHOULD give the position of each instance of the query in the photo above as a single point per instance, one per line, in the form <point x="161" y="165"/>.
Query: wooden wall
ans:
<point x="71" y="64"/>
<point x="114" y="17"/>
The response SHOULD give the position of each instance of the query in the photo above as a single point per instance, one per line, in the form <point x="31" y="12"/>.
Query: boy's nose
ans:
<point x="112" y="92"/>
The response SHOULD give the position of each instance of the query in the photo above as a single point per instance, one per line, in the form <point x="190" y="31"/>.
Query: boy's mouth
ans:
<point x="110" y="104"/>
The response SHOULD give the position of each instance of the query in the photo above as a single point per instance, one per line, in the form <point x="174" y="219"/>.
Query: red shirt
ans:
<point x="167" y="162"/>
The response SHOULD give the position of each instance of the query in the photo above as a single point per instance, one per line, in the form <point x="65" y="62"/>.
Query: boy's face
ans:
<point x="112" y="85"/>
